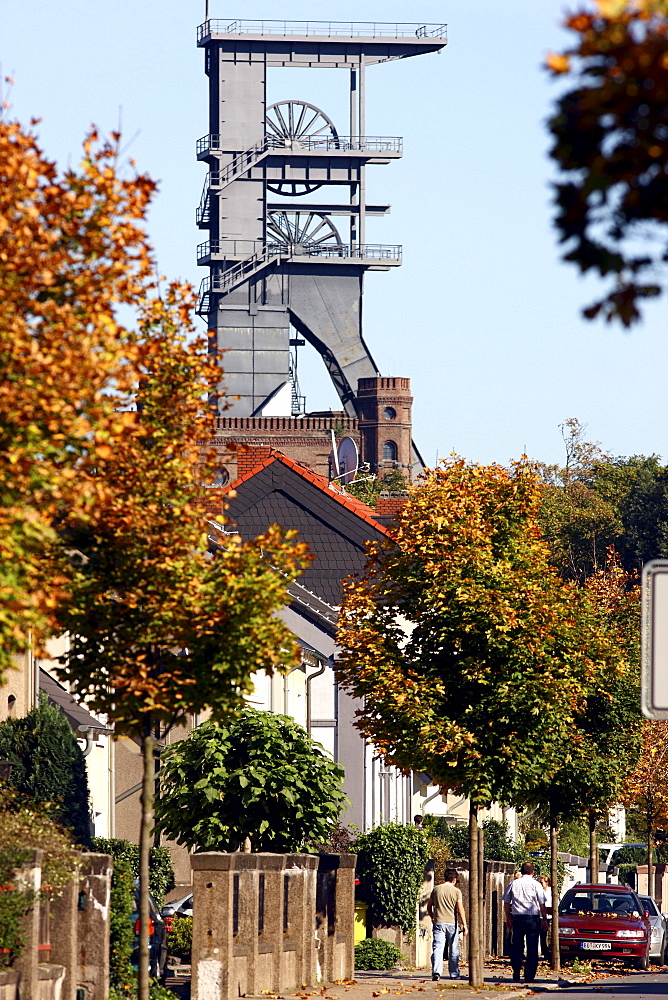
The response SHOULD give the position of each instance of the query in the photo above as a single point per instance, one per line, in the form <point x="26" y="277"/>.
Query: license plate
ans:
<point x="596" y="945"/>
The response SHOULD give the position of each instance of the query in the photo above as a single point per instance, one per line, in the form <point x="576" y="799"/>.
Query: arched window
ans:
<point x="389" y="451"/>
<point x="389" y="413"/>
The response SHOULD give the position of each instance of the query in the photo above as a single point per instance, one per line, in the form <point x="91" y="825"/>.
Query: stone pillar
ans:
<point x="335" y="916"/>
<point x="298" y="945"/>
<point x="64" y="927"/>
<point x="27" y="964"/>
<point x="225" y="925"/>
<point x="93" y="904"/>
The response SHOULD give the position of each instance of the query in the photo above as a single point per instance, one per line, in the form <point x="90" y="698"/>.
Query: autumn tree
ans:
<point x="72" y="253"/>
<point x="100" y="466"/>
<point x="470" y="654"/>
<point x="645" y="792"/>
<point x="602" y="745"/>
<point x="610" y="136"/>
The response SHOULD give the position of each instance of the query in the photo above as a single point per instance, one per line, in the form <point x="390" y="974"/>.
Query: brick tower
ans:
<point x="384" y="406"/>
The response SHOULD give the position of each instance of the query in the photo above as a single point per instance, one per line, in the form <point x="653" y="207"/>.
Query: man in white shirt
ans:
<point x="524" y="907"/>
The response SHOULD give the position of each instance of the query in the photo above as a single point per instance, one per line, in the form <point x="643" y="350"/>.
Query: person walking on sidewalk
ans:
<point x="524" y="907"/>
<point x="446" y="909"/>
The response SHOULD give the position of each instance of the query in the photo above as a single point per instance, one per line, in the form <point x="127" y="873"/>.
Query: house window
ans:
<point x="389" y="413"/>
<point x="389" y="451"/>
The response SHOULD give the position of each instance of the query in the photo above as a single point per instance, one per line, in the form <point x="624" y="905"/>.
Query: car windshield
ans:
<point x="649" y="905"/>
<point x="615" y="904"/>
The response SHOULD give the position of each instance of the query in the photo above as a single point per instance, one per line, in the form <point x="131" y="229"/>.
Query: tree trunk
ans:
<point x="147" y="799"/>
<point x="593" y="848"/>
<point x="554" y="934"/>
<point x="475" y="979"/>
<point x="481" y="900"/>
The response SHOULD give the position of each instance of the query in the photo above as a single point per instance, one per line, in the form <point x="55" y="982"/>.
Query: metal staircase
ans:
<point x="376" y="256"/>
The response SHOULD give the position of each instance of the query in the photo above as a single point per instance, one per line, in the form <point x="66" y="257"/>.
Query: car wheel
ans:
<point x="642" y="963"/>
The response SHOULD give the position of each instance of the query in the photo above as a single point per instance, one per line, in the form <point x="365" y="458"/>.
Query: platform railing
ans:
<point x="347" y="29"/>
<point x="366" y="143"/>
<point x="246" y="249"/>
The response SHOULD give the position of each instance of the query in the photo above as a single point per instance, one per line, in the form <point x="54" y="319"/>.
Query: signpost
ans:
<point x="654" y="698"/>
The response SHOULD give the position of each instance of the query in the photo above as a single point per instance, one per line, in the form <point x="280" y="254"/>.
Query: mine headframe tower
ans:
<point x="276" y="259"/>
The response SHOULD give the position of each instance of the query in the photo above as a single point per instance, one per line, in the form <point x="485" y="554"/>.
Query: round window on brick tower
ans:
<point x="389" y="413"/>
<point x="389" y="451"/>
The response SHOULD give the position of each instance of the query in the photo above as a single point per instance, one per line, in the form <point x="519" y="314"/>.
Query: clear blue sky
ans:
<point x="482" y="316"/>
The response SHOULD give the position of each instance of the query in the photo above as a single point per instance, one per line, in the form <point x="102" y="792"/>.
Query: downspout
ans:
<point x="87" y="733"/>
<point x="311" y="677"/>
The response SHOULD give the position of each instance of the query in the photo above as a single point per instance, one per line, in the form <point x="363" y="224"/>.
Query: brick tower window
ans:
<point x="389" y="413"/>
<point x="390" y="451"/>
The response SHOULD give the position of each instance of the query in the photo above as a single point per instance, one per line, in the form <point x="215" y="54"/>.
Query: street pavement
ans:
<point x="634" y="986"/>
<point x="418" y="985"/>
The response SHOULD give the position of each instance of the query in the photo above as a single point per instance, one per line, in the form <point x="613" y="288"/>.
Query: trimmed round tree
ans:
<point x="261" y="777"/>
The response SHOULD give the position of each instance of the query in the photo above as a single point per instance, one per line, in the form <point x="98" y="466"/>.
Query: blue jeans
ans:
<point x="445" y="933"/>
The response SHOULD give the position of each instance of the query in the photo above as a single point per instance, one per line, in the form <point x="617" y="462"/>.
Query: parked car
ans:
<point x="659" y="922"/>
<point x="182" y="907"/>
<point x="157" y="938"/>
<point x="605" y="921"/>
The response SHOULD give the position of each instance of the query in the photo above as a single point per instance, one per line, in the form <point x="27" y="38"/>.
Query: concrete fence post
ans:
<point x="335" y="916"/>
<point x="64" y="935"/>
<point x="298" y="944"/>
<point x="29" y="878"/>
<point x="93" y="911"/>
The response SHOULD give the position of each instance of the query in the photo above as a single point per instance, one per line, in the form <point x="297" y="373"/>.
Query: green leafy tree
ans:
<point x="260" y="777"/>
<point x="48" y="766"/>
<point x="160" y="870"/>
<point x="470" y="653"/>
<point x="594" y="503"/>
<point x="368" y="487"/>
<point x="610" y="135"/>
<point x="390" y="866"/>
<point x="498" y="844"/>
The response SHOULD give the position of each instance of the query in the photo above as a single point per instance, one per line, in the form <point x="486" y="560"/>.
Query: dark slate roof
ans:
<point x="335" y="526"/>
<point x="77" y="716"/>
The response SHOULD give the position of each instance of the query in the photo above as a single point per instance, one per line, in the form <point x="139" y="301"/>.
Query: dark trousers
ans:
<point x="529" y="928"/>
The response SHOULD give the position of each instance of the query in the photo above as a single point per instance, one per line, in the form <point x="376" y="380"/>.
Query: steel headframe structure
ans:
<point x="277" y="259"/>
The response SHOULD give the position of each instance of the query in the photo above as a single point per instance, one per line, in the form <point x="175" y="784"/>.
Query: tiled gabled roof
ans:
<point x="333" y="492"/>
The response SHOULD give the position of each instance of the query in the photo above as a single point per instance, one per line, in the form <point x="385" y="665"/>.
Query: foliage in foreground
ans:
<point x="372" y="953"/>
<point x="261" y="776"/>
<point x="14" y="904"/>
<point x="24" y="823"/>
<point x="610" y="133"/>
<point x="390" y="866"/>
<point x="121" y="930"/>
<point x="48" y="766"/>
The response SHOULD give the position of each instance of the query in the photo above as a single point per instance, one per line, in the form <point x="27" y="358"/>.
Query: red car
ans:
<point x="604" y="921"/>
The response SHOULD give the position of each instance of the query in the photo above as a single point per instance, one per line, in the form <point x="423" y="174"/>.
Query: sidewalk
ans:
<point x="386" y="985"/>
<point x="371" y="985"/>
